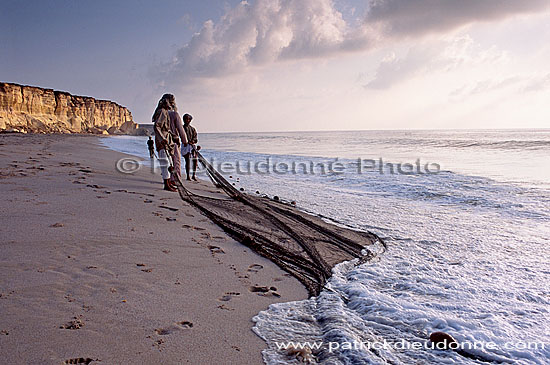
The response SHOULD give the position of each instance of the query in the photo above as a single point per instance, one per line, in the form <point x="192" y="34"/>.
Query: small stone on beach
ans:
<point x="442" y="341"/>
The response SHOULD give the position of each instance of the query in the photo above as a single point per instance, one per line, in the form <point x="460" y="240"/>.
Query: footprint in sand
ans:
<point x="69" y="298"/>
<point x="227" y="296"/>
<point x="260" y="289"/>
<point x="163" y="331"/>
<point x="265" y="291"/>
<point x="226" y="308"/>
<point x="144" y="270"/>
<point x="159" y="344"/>
<point x="185" y="324"/>
<point x="215" y="249"/>
<point x="95" y="186"/>
<point x="178" y="326"/>
<point x="68" y="163"/>
<point x="74" y="324"/>
<point x="87" y="308"/>
<point x="80" y="360"/>
<point x="255" y="268"/>
<point x="169" y="208"/>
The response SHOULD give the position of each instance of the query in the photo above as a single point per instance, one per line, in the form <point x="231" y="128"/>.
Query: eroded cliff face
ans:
<point x="37" y="110"/>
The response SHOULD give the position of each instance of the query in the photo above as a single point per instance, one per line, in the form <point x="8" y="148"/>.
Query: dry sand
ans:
<point x="94" y="266"/>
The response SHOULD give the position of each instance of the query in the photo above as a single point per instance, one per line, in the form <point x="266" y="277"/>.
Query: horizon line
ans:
<point x="378" y="130"/>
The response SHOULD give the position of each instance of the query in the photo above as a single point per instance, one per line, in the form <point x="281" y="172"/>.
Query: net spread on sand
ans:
<point x="301" y="244"/>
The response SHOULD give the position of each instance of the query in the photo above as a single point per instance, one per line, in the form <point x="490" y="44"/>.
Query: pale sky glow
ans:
<point x="277" y="65"/>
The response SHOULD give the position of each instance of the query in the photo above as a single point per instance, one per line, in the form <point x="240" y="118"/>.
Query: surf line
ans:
<point x="310" y="258"/>
<point x="301" y="244"/>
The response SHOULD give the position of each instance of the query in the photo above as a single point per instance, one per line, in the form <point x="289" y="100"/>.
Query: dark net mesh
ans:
<point x="301" y="244"/>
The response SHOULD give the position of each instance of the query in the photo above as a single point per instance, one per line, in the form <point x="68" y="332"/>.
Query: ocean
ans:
<point x="465" y="216"/>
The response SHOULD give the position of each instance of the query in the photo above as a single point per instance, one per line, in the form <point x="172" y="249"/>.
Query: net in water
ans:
<point x="304" y="245"/>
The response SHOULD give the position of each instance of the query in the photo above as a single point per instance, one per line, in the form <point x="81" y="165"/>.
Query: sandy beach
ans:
<point x="104" y="266"/>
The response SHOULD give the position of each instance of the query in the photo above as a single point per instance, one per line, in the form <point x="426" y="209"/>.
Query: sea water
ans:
<point x="465" y="216"/>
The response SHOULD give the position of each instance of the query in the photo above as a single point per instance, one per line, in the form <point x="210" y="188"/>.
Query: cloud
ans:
<point x="517" y="84"/>
<point x="484" y="86"/>
<point x="263" y="32"/>
<point x="187" y="21"/>
<point x="537" y="83"/>
<point x="435" y="56"/>
<point x="409" y="18"/>
<point x="393" y="70"/>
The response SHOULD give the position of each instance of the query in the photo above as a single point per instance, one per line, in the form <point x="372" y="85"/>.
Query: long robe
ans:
<point x="176" y="128"/>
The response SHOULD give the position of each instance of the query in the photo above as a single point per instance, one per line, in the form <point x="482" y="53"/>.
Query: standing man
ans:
<point x="151" y="146"/>
<point x="163" y="138"/>
<point x="189" y="151"/>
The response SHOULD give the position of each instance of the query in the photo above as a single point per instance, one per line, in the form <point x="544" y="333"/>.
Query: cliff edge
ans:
<point x="30" y="109"/>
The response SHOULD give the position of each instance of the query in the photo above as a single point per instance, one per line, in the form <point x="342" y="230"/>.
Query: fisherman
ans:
<point x="163" y="138"/>
<point x="179" y="136"/>
<point x="189" y="151"/>
<point x="151" y="146"/>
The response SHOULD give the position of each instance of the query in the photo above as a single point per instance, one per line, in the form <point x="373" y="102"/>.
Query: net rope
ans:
<point x="301" y="244"/>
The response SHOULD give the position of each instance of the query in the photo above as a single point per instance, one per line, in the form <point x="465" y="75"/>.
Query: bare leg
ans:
<point x="187" y="158"/>
<point x="194" y="166"/>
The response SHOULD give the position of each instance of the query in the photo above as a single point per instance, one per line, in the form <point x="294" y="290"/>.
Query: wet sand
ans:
<point x="100" y="265"/>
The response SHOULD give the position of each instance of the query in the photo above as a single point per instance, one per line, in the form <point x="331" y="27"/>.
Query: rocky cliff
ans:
<point x="37" y="110"/>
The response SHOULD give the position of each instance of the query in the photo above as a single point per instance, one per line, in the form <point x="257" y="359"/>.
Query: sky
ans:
<point x="293" y="65"/>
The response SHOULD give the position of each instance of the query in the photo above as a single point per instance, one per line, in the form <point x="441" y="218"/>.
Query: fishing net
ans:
<point x="305" y="246"/>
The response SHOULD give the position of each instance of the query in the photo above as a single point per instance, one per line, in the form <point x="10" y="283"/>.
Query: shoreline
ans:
<point x="101" y="265"/>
